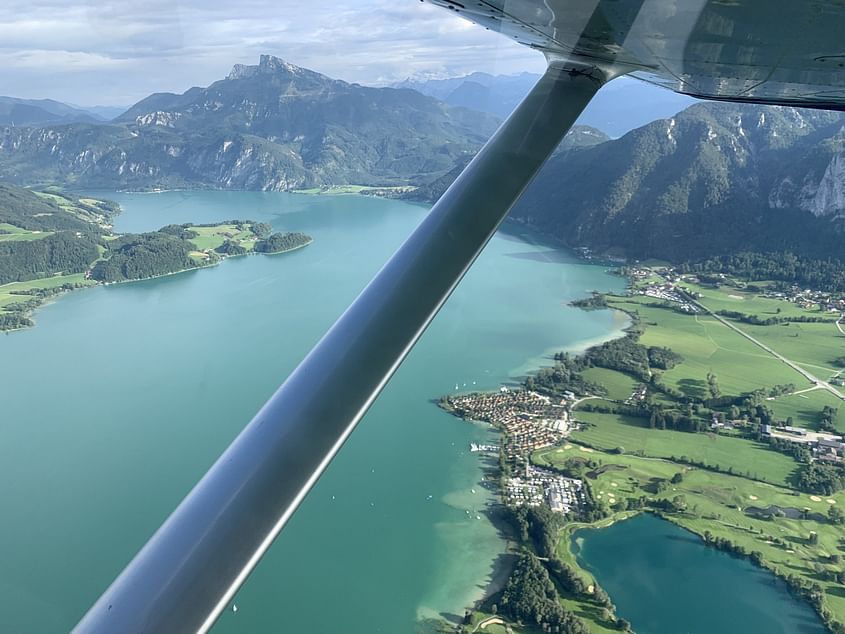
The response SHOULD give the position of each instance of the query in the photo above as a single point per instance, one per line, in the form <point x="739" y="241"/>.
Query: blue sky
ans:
<point x="115" y="53"/>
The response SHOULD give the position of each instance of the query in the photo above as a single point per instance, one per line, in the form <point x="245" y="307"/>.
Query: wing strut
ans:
<point x="190" y="569"/>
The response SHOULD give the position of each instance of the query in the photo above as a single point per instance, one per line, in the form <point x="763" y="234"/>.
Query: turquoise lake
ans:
<point x="120" y="398"/>
<point x="664" y="580"/>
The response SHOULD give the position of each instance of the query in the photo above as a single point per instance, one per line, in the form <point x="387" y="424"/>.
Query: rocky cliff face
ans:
<point x="272" y="126"/>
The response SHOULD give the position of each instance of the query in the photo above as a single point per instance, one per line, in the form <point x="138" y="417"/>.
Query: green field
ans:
<point x="619" y="385"/>
<point x="727" y="298"/>
<point x="88" y="209"/>
<point x="707" y="346"/>
<point x="805" y="408"/>
<point x="210" y="238"/>
<point x="11" y="232"/>
<point x="7" y="297"/>
<point x="610" y="431"/>
<point x="814" y="346"/>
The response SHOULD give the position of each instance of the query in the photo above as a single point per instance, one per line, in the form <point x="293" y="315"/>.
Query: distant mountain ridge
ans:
<point x="272" y="126"/>
<point x="621" y="106"/>
<point x="38" y="112"/>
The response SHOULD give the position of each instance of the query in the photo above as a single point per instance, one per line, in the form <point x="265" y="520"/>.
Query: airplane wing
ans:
<point x="757" y="51"/>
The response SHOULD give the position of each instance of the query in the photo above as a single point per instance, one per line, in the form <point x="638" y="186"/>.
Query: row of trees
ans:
<point x="771" y="321"/>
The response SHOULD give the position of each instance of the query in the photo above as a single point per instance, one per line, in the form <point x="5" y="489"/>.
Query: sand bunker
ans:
<point x="815" y="498"/>
<point x="753" y="497"/>
<point x="736" y="296"/>
<point x="613" y="484"/>
<point x="586" y="449"/>
<point x="567" y="446"/>
<point x="830" y="501"/>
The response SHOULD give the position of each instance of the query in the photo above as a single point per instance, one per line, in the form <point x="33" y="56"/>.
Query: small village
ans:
<point x="529" y="421"/>
<point x="669" y="293"/>
<point x="806" y="298"/>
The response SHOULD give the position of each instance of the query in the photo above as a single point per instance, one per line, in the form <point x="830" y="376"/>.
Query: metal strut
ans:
<point x="187" y="573"/>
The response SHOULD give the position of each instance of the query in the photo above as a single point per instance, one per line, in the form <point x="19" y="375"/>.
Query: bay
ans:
<point x="120" y="397"/>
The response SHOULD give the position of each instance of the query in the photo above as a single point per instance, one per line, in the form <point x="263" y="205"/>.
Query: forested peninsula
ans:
<point x="52" y="242"/>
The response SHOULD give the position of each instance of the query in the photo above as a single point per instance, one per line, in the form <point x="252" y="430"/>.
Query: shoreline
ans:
<point x="502" y="564"/>
<point x="49" y="299"/>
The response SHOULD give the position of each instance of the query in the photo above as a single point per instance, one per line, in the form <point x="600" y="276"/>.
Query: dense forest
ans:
<point x="138" y="256"/>
<point x="279" y="242"/>
<point x="26" y="209"/>
<point x="825" y="274"/>
<point x="64" y="252"/>
<point x="530" y="596"/>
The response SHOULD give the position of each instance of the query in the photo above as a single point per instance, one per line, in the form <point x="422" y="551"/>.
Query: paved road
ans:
<point x="810" y="377"/>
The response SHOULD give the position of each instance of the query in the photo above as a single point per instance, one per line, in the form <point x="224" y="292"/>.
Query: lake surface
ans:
<point x="121" y="397"/>
<point x="664" y="580"/>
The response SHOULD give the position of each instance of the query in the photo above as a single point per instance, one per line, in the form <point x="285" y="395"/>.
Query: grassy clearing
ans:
<point x="610" y="431"/>
<point x="619" y="385"/>
<point x="11" y="232"/>
<point x="88" y="209"/>
<point x="805" y="408"/>
<point x="707" y="346"/>
<point x="7" y="297"/>
<point x="210" y="238"/>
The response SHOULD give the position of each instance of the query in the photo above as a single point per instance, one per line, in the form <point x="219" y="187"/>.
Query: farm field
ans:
<point x="805" y="408"/>
<point x="611" y="431"/>
<point x="707" y="346"/>
<point x="212" y="237"/>
<point x="814" y="346"/>
<point x="727" y="298"/>
<point x="619" y="385"/>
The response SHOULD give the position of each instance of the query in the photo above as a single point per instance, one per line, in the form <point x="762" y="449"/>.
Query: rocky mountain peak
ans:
<point x="267" y="64"/>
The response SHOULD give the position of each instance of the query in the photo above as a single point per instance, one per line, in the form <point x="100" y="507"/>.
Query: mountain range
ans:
<point x="272" y="126"/>
<point x="39" y="112"/>
<point x="618" y="108"/>
<point x="715" y="179"/>
<point x="709" y="180"/>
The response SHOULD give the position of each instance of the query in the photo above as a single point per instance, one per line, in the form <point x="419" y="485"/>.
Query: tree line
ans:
<point x="826" y="274"/>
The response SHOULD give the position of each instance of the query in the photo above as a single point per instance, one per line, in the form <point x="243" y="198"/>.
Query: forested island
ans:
<point x="53" y="241"/>
<point x="720" y="409"/>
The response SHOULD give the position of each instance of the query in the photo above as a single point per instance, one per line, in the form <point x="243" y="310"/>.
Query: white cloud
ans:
<point x="118" y="52"/>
